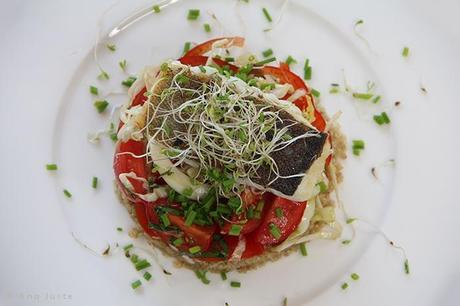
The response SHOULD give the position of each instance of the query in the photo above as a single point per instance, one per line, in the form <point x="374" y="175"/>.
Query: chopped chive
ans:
<point x="346" y="241"/>
<point x="358" y="22"/>
<point x="142" y="264"/>
<point x="119" y="229"/>
<point x="51" y="167"/>
<point x="303" y="249"/>
<point x="93" y="90"/>
<point x="351" y="220"/>
<point x="223" y="275"/>
<point x="136" y="284"/>
<point x="376" y="99"/>
<point x="405" y="52"/>
<point x="267" y="53"/>
<point x="202" y="69"/>
<point x="123" y="64"/>
<point x="187" y="192"/>
<point x="362" y="96"/>
<point x="156" y="9"/>
<point x="268" y="86"/>
<point x="190" y="217"/>
<point x="178" y="242"/>
<point x="322" y="186"/>
<point x="165" y="220"/>
<point x="129" y="81"/>
<point x="356" y="152"/>
<point x="235" y="230"/>
<point x="406" y="266"/>
<point x="235" y="284"/>
<point x="195" y="249"/>
<point x="290" y="60"/>
<point x="315" y="93"/>
<point x="94" y="182"/>
<point x="250" y="212"/>
<point x="278" y="212"/>
<point x="354" y="276"/>
<point x="111" y="47"/>
<point x="193" y="14"/>
<point x="201" y="274"/>
<point x="285" y="300"/>
<point x="265" y="61"/>
<point x="344" y="286"/>
<point x="307" y="70"/>
<point x="382" y="118"/>
<point x="385" y="117"/>
<point x="128" y="247"/>
<point x="267" y="14"/>
<point x="101" y="105"/>
<point x="334" y="90"/>
<point x="274" y="230"/>
<point x="147" y="276"/>
<point x="103" y="75"/>
<point x="207" y="28"/>
<point x="358" y="144"/>
<point x="67" y="193"/>
<point x="187" y="46"/>
<point x="229" y="59"/>
<point x="134" y="258"/>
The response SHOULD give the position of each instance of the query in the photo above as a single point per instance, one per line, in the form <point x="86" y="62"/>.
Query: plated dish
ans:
<point x="227" y="162"/>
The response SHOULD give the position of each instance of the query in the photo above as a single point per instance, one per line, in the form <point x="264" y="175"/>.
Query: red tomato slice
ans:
<point x="145" y="214"/>
<point x="140" y="98"/>
<point x="207" y="45"/>
<point x="291" y="215"/>
<point x="201" y="235"/>
<point x="253" y="247"/>
<point x="199" y="60"/>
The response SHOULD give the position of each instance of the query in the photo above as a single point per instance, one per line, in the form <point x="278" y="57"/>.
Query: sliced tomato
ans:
<point x="201" y="235"/>
<point x="125" y="162"/>
<point x="145" y="214"/>
<point x="253" y="247"/>
<point x="140" y="97"/>
<point x="199" y="60"/>
<point x="207" y="45"/>
<point x="292" y="212"/>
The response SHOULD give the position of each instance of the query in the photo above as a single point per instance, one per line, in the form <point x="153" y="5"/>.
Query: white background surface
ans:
<point x="42" y="43"/>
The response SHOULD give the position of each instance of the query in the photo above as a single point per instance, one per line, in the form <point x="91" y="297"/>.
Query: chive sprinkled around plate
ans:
<point x="119" y="229"/>
<point x="193" y="14"/>
<point x="382" y="118"/>
<point x="67" y="193"/>
<point x="136" y="284"/>
<point x="94" y="182"/>
<point x="307" y="70"/>
<point x="187" y="46"/>
<point x="235" y="284"/>
<point x="190" y="217"/>
<point x="229" y="59"/>
<point x="128" y="247"/>
<point x="207" y="27"/>
<point x="142" y="264"/>
<point x="265" y="61"/>
<point x="129" y="81"/>
<point x="344" y="286"/>
<point x="156" y="9"/>
<point x="354" y="276"/>
<point x="165" y="220"/>
<point x="195" y="249"/>
<point x="93" y="90"/>
<point x="303" y="249"/>
<point x="103" y="75"/>
<point x="201" y="274"/>
<point x="178" y="242"/>
<point x="362" y="96"/>
<point x="267" y="14"/>
<point x="335" y="88"/>
<point x="376" y="99"/>
<point x="274" y="230"/>
<point x="358" y="22"/>
<point x="351" y="220"/>
<point x="134" y="258"/>
<point x="123" y="64"/>
<point x="111" y="47"/>
<point x="406" y="266"/>
<point x="285" y="301"/>
<point x="51" y="167"/>
<point x="223" y="275"/>
<point x="101" y="105"/>
<point x="267" y="53"/>
<point x="357" y="146"/>
<point x="147" y="276"/>
<point x="347" y="241"/>
<point x="315" y="93"/>
<point x="405" y="52"/>
<point x="290" y="60"/>
<point x="279" y="212"/>
<point x="235" y="230"/>
<point x="322" y="186"/>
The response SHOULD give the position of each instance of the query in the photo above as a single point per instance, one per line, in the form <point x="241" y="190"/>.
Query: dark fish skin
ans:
<point x="294" y="159"/>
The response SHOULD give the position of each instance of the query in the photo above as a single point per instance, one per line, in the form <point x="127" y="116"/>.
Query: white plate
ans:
<point x="49" y="112"/>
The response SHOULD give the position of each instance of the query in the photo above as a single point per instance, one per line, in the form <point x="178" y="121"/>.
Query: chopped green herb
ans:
<point x="103" y="75"/>
<point x="156" y="9"/>
<point x="235" y="284"/>
<point x="235" y="230"/>
<point x="334" y="90"/>
<point x="358" y="144"/>
<point x="207" y="27"/>
<point x="362" y="96"/>
<point x="290" y="60"/>
<point x="307" y="70"/>
<point x="322" y="186"/>
<point x="354" y="276"/>
<point x="344" y="286"/>
<point x="223" y="275"/>
<point x="202" y="69"/>
<point x="142" y="264"/>
<point x="265" y="61"/>
<point x="128" y="247"/>
<point x="93" y="90"/>
<point x="406" y="266"/>
<point x="268" y="86"/>
<point x="101" y="105"/>
<point x="119" y="229"/>
<point x="129" y="81"/>
<point x="67" y="193"/>
<point x="275" y="231"/>
<point x="194" y="249"/>
<point x="94" y="182"/>
<point x="187" y="46"/>
<point x="382" y="119"/>
<point x="405" y="52"/>
<point x="178" y="242"/>
<point x="51" y="167"/>
<point x="285" y="300"/>
<point x="190" y="217"/>
<point x="351" y="220"/>
<point x="111" y="47"/>
<point x="201" y="274"/>
<point x="376" y="99"/>
<point x="123" y="64"/>
<point x="165" y="220"/>
<point x="229" y="59"/>
<point x="279" y="212"/>
<point x="346" y="241"/>
<point x="134" y="258"/>
<point x="147" y="276"/>
<point x="193" y="14"/>
<point x="303" y="249"/>
<point x="267" y="53"/>
<point x="136" y="284"/>
<point x="315" y="93"/>
<point x="358" y="22"/>
<point x="187" y="192"/>
<point x="267" y="14"/>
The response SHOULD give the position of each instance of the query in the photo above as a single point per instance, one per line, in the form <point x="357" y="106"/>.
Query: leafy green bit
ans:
<point x="235" y="284"/>
<point x="358" y="22"/>
<point x="123" y="64"/>
<point x="344" y="286"/>
<point x="406" y="266"/>
<point x="354" y="276"/>
<point x="334" y="89"/>
<point x="178" y="242"/>
<point x="201" y="274"/>
<point x="267" y="14"/>
<point x="165" y="220"/>
<point x="195" y="249"/>
<point x="93" y="90"/>
<point x="128" y="247"/>
<point x="290" y="60"/>
<point x="129" y="81"/>
<point x="156" y="9"/>
<point x="202" y="69"/>
<point x="101" y="105"/>
<point x="136" y="284"/>
<point x="346" y="241"/>
<point x="307" y="70"/>
<point x="134" y="258"/>
<point x="103" y="75"/>
<point x="193" y="14"/>
<point x="357" y="146"/>
<point x="229" y="59"/>
<point x="223" y="275"/>
<point x="265" y="61"/>
<point x="315" y="93"/>
<point x="67" y="193"/>
<point x="119" y="229"/>
<point x="376" y="99"/>
<point x="111" y="47"/>
<point x="147" y="276"/>
<point x="322" y="186"/>
<point x="190" y="217"/>
<point x="182" y="79"/>
<point x="207" y="28"/>
<point x="351" y="220"/>
<point x="187" y="47"/>
<point x="187" y="192"/>
<point x="267" y="53"/>
<point x="142" y="264"/>
<point x="382" y="119"/>
<point x="274" y="230"/>
<point x="285" y="301"/>
<point x="268" y="86"/>
<point x="51" y="167"/>
<point x="279" y="212"/>
<point x="405" y="52"/>
<point x="235" y="230"/>
<point x="362" y="96"/>
<point x="303" y="249"/>
<point x="94" y="182"/>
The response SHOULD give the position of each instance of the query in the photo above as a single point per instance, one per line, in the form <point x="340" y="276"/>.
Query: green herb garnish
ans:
<point x="267" y="14"/>
<point x="123" y="64"/>
<point x="405" y="52"/>
<point x="187" y="46"/>
<point x="147" y="276"/>
<point x="195" y="249"/>
<point x="265" y="61"/>
<point x="354" y="276"/>
<point x="128" y="247"/>
<point x="51" y="167"/>
<point x="278" y="212"/>
<point x="322" y="186"/>
<point x="111" y="47"/>
<point x="103" y="75"/>
<point x="275" y="231"/>
<point x="93" y="90"/>
<point x="156" y="9"/>
<point x="142" y="264"/>
<point x="290" y="60"/>
<point x="136" y="284"/>
<point x="94" y="182"/>
<point x="207" y="28"/>
<point x="67" y="193"/>
<point x="235" y="284"/>
<point x="193" y="14"/>
<point x="223" y="275"/>
<point x="315" y="93"/>
<point x="129" y="81"/>
<point x="101" y="105"/>
<point x="267" y="53"/>
<point x="382" y="119"/>
<point x="344" y="286"/>
<point x="307" y="70"/>
<point x="235" y="230"/>
<point x="303" y="249"/>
